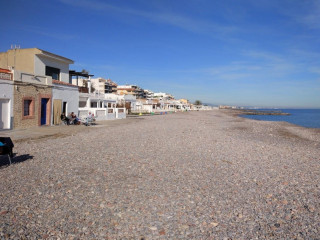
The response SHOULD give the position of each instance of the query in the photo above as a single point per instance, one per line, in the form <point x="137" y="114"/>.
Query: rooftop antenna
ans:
<point x="14" y="48"/>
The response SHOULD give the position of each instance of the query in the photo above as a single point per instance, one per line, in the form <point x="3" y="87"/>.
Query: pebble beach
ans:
<point x="188" y="175"/>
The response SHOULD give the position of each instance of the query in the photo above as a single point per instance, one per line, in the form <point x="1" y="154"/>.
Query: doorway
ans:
<point x="64" y="108"/>
<point x="4" y="114"/>
<point x="57" y="111"/>
<point x="44" y="102"/>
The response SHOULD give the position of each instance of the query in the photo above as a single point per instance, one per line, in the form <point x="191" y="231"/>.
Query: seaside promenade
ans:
<point x="189" y="175"/>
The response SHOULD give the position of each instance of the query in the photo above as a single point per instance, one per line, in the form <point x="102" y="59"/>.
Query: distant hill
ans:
<point x="210" y="104"/>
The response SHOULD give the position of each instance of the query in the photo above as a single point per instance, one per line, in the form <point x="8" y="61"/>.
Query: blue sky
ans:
<point x="238" y="52"/>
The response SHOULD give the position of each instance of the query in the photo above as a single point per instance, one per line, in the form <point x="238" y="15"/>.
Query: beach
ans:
<point x="188" y="175"/>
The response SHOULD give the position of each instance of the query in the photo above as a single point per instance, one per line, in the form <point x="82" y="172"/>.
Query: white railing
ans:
<point x="103" y="113"/>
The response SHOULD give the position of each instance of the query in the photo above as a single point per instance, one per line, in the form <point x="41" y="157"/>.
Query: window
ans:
<point x="27" y="107"/>
<point x="82" y="104"/>
<point x="53" y="72"/>
<point x="94" y="104"/>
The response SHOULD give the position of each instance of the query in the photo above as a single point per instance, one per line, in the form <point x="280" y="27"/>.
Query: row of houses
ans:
<point x="138" y="100"/>
<point x="37" y="86"/>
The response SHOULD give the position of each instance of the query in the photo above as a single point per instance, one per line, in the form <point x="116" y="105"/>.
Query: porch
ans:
<point x="103" y="107"/>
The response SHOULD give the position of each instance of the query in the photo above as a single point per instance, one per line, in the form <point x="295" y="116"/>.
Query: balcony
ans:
<point x="83" y="90"/>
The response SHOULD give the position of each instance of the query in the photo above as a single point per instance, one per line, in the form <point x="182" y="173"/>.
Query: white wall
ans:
<point x="69" y="94"/>
<point x="147" y="108"/>
<point x="40" y="64"/>
<point x="32" y="78"/>
<point x="99" y="113"/>
<point x="120" y="113"/>
<point x="6" y="97"/>
<point x="111" y="115"/>
<point x="98" y="84"/>
<point x="132" y="100"/>
<point x="83" y="113"/>
<point x="112" y="96"/>
<point x="80" y="81"/>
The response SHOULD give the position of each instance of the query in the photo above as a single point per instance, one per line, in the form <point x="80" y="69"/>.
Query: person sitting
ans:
<point x="89" y="119"/>
<point x="76" y="121"/>
<point x="93" y="118"/>
<point x="71" y="117"/>
<point x="65" y="119"/>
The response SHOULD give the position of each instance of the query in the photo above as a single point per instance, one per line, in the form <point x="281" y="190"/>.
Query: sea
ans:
<point x="309" y="118"/>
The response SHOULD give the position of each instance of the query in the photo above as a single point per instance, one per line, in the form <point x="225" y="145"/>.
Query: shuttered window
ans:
<point x="27" y="107"/>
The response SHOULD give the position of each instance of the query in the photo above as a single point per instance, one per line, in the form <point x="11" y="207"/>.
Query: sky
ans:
<point x="263" y="53"/>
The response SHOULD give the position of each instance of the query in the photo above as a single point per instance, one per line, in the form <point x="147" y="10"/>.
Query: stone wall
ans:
<point x="34" y="93"/>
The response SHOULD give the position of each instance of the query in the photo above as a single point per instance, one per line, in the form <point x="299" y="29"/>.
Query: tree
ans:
<point x="197" y="102"/>
<point x="84" y="71"/>
<point x="92" y="88"/>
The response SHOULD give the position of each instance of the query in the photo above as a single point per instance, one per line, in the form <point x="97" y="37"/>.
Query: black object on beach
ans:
<point x="6" y="148"/>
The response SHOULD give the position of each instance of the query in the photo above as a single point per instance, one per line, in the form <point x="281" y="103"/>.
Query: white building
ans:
<point x="103" y="106"/>
<point x="163" y="96"/>
<point x="99" y="85"/>
<point x="65" y="96"/>
<point x="149" y="94"/>
<point x="6" y="99"/>
<point x="134" y="90"/>
<point x="65" y="100"/>
<point x="33" y="67"/>
<point x="130" y="102"/>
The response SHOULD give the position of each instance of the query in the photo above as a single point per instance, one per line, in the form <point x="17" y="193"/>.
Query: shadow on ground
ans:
<point x="4" y="160"/>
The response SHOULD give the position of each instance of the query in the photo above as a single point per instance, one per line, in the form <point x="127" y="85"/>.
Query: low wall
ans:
<point x="111" y="113"/>
<point x="121" y="113"/>
<point x="83" y="113"/>
<point x="103" y="114"/>
<point x="100" y="114"/>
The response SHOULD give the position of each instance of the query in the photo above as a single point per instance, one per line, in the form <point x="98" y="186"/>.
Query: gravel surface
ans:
<point x="191" y="175"/>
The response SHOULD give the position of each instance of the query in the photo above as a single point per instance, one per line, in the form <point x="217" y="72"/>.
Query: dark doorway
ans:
<point x="44" y="102"/>
<point x="64" y="108"/>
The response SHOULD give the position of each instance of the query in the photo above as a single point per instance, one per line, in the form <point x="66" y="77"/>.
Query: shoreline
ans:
<point x="284" y="128"/>
<point x="285" y="122"/>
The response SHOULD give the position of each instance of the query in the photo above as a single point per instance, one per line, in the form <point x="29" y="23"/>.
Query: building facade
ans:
<point x="6" y="99"/>
<point x="37" y="76"/>
<point x="32" y="100"/>
<point x="131" y="90"/>
<point x="65" y="100"/>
